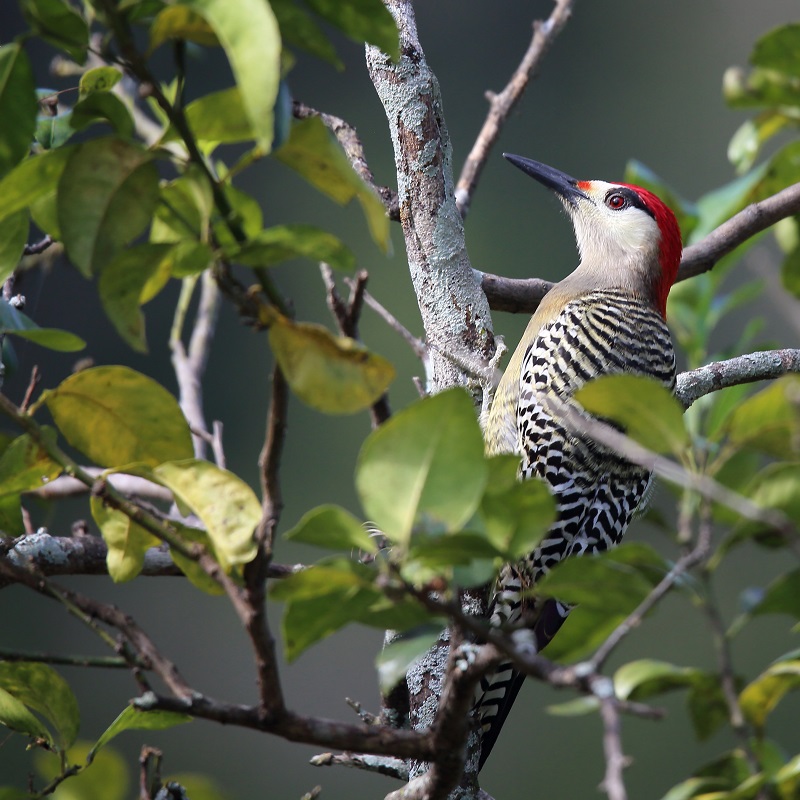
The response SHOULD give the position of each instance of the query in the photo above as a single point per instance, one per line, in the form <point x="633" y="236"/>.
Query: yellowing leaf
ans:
<point x="226" y="505"/>
<point x="118" y="416"/>
<point x="313" y="152"/>
<point x="760" y="697"/>
<point x="647" y="412"/>
<point x="333" y="374"/>
<point x="25" y="466"/>
<point x="179" y="22"/>
<point x="127" y="542"/>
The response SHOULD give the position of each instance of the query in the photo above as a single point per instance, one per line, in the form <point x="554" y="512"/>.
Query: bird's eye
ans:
<point x="616" y="201"/>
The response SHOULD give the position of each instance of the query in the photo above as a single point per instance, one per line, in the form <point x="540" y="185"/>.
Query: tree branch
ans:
<point x="524" y="295"/>
<point x="613" y="783"/>
<point x="129" y="485"/>
<point x="454" y="310"/>
<point x="501" y="105"/>
<point x="760" y="366"/>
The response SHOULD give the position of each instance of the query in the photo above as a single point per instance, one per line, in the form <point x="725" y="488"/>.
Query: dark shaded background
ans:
<point x="626" y="79"/>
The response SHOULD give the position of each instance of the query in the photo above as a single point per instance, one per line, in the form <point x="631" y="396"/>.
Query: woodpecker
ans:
<point x="607" y="317"/>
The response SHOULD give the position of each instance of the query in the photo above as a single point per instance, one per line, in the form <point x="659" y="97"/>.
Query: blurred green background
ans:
<point x="626" y="79"/>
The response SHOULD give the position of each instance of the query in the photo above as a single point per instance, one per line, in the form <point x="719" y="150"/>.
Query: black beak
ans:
<point x="561" y="183"/>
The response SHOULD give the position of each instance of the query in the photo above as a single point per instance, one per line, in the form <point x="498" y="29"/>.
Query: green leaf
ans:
<point x="299" y="29"/>
<point x="708" y="708"/>
<point x="134" y="719"/>
<point x="790" y="272"/>
<point x="769" y="420"/>
<point x="14" y="322"/>
<point x="218" y="118"/>
<point x="777" y="486"/>
<point x="646" y="410"/>
<point x="394" y="661"/>
<point x="53" y="130"/>
<point x="313" y="152"/>
<point x="108" y="779"/>
<point x="25" y="466"/>
<point x="127" y="542"/>
<point x="363" y="21"/>
<point x="440" y="551"/>
<point x="787" y="779"/>
<point x="647" y="677"/>
<point x="225" y="504"/>
<point x="196" y="575"/>
<point x="761" y="696"/>
<point x="15" y="715"/>
<point x="333" y="374"/>
<point x="180" y="22"/>
<point x="42" y="689"/>
<point x="13" y="237"/>
<point x="326" y="597"/>
<point x="779" y="50"/>
<point x="98" y="79"/>
<point x="781" y="596"/>
<point x="122" y="285"/>
<point x="746" y="143"/>
<point x="32" y="180"/>
<point x="425" y="462"/>
<point x="18" y="106"/>
<point x="333" y="528"/>
<point x="118" y="416"/>
<point x="693" y="787"/>
<point x="184" y="209"/>
<point x="106" y="196"/>
<point x="574" y="708"/>
<point x="516" y="514"/>
<point x="251" y="39"/>
<point x="282" y="242"/>
<point x="103" y="107"/>
<point x="60" y="24"/>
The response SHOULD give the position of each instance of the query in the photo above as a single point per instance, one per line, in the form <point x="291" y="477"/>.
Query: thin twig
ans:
<point x="348" y="138"/>
<point x="613" y="783"/>
<point x="524" y="295"/>
<point x="501" y="105"/>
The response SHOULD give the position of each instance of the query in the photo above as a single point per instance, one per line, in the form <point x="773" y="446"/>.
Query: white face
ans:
<point x="611" y="225"/>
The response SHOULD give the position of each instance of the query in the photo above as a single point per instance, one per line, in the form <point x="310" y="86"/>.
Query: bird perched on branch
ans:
<point x="606" y="317"/>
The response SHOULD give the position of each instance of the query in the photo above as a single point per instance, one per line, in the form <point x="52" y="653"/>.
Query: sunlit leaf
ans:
<point x="425" y="462"/>
<point x="103" y="107"/>
<point x="646" y="410"/>
<point x="516" y="514"/>
<point x="99" y="79"/>
<point x="226" y="505"/>
<point x="118" y="416"/>
<point x="313" y="152"/>
<point x="180" y="22"/>
<point x="779" y="50"/>
<point x="127" y="542"/>
<point x="134" y="719"/>
<point x="249" y="34"/>
<point x="574" y="708"/>
<point x="761" y="696"/>
<point x="42" y="689"/>
<point x="15" y="715"/>
<point x="333" y="374"/>
<point x="13" y="237"/>
<point x="333" y="528"/>
<point x="646" y="677"/>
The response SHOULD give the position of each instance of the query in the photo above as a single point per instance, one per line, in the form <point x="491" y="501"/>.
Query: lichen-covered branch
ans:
<point x="454" y="310"/>
<point x="749" y="368"/>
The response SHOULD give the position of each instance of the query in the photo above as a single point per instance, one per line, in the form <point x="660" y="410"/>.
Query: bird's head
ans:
<point x="626" y="236"/>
